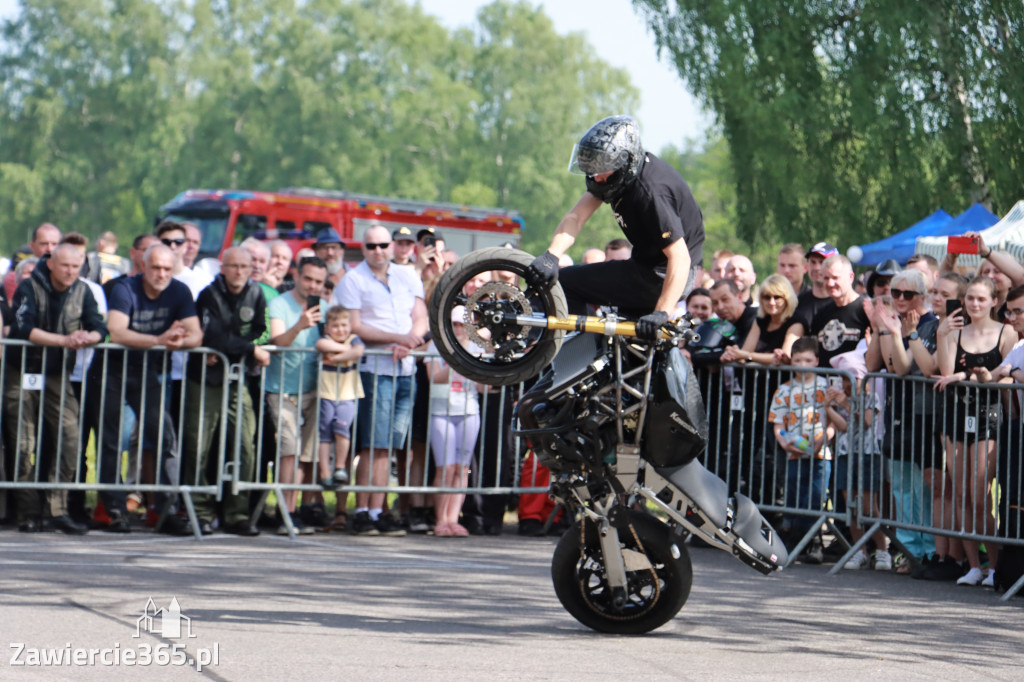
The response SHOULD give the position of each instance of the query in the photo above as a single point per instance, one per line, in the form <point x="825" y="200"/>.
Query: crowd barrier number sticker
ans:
<point x="32" y="382"/>
<point x="737" y="402"/>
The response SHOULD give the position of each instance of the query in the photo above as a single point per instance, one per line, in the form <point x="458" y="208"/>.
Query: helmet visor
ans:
<point x="590" y="161"/>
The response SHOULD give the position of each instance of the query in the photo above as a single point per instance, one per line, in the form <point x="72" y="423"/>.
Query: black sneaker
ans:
<point x="176" y="524"/>
<point x="118" y="523"/>
<point x="531" y="528"/>
<point x="418" y="520"/>
<point x="917" y="573"/>
<point x="362" y="525"/>
<point x="65" y="524"/>
<point x="387" y="527"/>
<point x="815" y="554"/>
<point x="946" y="570"/>
<point x="314" y="515"/>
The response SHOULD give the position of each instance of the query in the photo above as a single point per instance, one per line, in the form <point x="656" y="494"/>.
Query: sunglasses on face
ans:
<point x="903" y="293"/>
<point x="772" y="297"/>
<point x="173" y="242"/>
<point x="372" y="247"/>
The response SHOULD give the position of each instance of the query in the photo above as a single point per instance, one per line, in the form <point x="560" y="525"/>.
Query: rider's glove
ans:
<point x="543" y="271"/>
<point x="648" y="326"/>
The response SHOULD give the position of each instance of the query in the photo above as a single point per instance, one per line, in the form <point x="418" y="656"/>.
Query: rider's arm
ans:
<point x="677" y="272"/>
<point x="570" y="226"/>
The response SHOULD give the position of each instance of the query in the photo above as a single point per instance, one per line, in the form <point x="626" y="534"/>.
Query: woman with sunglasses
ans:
<point x="972" y="414"/>
<point x="771" y="338"/>
<point x="769" y="342"/>
<point x="904" y="340"/>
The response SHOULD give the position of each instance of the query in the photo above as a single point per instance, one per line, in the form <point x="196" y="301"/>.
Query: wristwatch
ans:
<point x="913" y="336"/>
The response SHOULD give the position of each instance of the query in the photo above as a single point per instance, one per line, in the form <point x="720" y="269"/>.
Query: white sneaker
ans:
<point x="972" y="577"/>
<point x="990" y="579"/>
<point x="883" y="560"/>
<point x="857" y="562"/>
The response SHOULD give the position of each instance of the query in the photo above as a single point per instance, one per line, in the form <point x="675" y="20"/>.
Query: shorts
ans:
<point x="453" y="438"/>
<point x="385" y="412"/>
<point x="336" y="417"/>
<point x="872" y="468"/>
<point x="285" y="415"/>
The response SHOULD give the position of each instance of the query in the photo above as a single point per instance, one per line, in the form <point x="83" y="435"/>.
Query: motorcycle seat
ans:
<point x="708" y="492"/>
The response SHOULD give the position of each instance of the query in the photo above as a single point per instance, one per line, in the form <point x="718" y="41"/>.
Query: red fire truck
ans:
<point x="298" y="214"/>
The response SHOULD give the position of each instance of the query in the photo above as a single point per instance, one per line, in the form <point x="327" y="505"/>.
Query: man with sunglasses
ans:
<point x="387" y="310"/>
<point x="175" y="237"/>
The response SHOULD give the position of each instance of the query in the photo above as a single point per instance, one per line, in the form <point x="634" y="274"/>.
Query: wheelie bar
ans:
<point x="732" y="524"/>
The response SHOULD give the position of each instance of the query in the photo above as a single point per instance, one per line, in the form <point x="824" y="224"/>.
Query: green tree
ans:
<point x="851" y="120"/>
<point x="112" y="107"/>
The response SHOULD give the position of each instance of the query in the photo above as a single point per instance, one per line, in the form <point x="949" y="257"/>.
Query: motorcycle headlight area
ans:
<point x="488" y="310"/>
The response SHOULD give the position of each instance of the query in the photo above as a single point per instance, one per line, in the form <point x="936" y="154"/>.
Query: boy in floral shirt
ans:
<point x="800" y="420"/>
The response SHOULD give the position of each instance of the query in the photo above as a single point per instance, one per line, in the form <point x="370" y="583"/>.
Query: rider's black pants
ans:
<point x="632" y="287"/>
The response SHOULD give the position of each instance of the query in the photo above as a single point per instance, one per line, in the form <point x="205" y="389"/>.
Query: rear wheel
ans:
<point x="658" y="576"/>
<point x="501" y="353"/>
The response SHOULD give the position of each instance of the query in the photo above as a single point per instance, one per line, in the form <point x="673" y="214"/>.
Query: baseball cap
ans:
<point x="428" y="230"/>
<point x="329" y="237"/>
<point x="402" y="234"/>
<point x="823" y="249"/>
<point x="459" y="314"/>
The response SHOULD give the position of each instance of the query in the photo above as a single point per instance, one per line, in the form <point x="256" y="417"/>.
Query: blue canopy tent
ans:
<point x="901" y="245"/>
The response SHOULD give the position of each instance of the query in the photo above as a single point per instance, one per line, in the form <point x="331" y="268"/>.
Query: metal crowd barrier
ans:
<point x="743" y="451"/>
<point x="494" y="470"/>
<point x="50" y="420"/>
<point x="924" y="494"/>
<point x="932" y="440"/>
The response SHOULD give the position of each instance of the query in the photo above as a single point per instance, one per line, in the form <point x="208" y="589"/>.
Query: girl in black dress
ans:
<point x="972" y="414"/>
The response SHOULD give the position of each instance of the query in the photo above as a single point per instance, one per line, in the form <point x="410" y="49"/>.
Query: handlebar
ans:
<point x="679" y="330"/>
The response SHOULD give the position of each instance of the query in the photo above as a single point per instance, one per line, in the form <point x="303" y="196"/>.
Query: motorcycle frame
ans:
<point x="635" y="477"/>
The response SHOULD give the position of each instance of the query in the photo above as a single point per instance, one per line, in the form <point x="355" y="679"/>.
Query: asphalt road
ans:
<point x="423" y="608"/>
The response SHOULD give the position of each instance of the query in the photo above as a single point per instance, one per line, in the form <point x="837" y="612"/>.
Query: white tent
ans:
<point x="1006" y="235"/>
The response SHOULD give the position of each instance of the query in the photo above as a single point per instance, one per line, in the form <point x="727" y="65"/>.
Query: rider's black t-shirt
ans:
<point x="658" y="209"/>
<point x="839" y="330"/>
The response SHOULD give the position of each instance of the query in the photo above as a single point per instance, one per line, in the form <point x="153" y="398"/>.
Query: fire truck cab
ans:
<point x="297" y="215"/>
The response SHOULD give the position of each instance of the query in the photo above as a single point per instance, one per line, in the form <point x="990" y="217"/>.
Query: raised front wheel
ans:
<point x="487" y="292"/>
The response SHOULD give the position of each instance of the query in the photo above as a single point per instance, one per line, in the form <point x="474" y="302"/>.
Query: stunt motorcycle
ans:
<point x="621" y="425"/>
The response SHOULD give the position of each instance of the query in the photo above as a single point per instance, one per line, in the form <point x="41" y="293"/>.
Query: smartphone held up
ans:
<point x="965" y="245"/>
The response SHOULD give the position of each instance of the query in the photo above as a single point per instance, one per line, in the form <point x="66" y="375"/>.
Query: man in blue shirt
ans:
<point x="291" y="381"/>
<point x="146" y="311"/>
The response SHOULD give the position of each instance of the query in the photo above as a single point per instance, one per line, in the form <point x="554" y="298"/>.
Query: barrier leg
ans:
<point x="1013" y="590"/>
<point x="190" y="509"/>
<point x="806" y="539"/>
<point x="282" y="509"/>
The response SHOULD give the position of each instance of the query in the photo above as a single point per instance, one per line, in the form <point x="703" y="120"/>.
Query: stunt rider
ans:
<point x="658" y="215"/>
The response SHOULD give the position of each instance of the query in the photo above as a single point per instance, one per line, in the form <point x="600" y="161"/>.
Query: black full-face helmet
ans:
<point x="611" y="145"/>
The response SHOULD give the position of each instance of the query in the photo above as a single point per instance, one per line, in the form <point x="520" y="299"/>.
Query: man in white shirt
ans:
<point x="387" y="310"/>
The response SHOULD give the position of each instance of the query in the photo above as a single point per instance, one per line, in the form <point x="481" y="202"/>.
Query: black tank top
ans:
<point x="990" y="359"/>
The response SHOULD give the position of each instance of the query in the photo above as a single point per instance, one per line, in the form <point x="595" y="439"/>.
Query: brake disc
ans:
<point x="508" y="298"/>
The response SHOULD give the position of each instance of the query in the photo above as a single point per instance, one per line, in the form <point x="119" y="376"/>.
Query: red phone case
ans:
<point x="962" y="245"/>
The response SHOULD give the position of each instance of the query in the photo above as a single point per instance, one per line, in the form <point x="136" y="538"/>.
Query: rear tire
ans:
<point x="655" y="593"/>
<point x="541" y="345"/>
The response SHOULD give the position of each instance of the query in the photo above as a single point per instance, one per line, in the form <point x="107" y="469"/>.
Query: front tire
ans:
<point x="658" y="574"/>
<point x="529" y="350"/>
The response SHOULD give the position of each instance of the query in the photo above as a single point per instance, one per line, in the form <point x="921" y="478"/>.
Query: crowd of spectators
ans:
<point x="934" y="449"/>
<point x="942" y="453"/>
